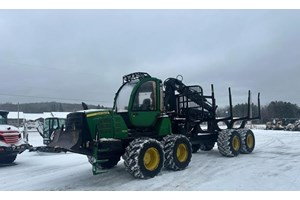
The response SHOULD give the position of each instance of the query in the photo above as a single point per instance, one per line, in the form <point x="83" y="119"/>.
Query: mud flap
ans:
<point x="68" y="140"/>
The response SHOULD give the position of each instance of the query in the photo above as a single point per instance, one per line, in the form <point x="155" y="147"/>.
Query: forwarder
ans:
<point x="154" y="125"/>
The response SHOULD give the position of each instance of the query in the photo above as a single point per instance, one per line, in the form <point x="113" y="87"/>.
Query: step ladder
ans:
<point x="97" y="170"/>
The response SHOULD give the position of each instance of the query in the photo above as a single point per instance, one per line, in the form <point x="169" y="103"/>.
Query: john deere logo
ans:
<point x="96" y="114"/>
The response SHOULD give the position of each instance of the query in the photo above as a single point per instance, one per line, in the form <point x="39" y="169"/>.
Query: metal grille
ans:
<point x="11" y="138"/>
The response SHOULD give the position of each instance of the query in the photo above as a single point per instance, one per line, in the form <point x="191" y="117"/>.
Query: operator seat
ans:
<point x="146" y="104"/>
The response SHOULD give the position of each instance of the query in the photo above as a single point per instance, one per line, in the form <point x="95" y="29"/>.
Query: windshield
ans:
<point x="3" y="120"/>
<point x="123" y="97"/>
<point x="50" y="125"/>
<point x="62" y="122"/>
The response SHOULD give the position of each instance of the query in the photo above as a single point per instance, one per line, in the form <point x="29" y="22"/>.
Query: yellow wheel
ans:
<point x="236" y="143"/>
<point x="229" y="143"/>
<point x="178" y="152"/>
<point x="248" y="140"/>
<point x="144" y="158"/>
<point x="182" y="152"/>
<point x="151" y="159"/>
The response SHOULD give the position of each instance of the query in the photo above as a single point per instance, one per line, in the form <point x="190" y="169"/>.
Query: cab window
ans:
<point x="145" y="97"/>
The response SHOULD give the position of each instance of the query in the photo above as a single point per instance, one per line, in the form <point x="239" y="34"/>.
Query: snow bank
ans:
<point x="274" y="165"/>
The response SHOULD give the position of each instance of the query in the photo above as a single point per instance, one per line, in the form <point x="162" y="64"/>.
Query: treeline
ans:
<point x="275" y="109"/>
<point x="279" y="109"/>
<point x="45" y="107"/>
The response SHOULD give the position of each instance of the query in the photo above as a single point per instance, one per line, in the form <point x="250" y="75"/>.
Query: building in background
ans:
<point x="16" y="119"/>
<point x="19" y="119"/>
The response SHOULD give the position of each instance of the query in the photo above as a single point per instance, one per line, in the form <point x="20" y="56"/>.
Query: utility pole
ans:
<point x="251" y="125"/>
<point x="18" y="115"/>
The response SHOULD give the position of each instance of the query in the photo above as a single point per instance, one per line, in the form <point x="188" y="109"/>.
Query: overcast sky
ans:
<point x="81" y="55"/>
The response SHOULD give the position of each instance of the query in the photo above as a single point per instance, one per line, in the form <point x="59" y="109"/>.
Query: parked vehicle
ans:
<point x="46" y="130"/>
<point x="11" y="141"/>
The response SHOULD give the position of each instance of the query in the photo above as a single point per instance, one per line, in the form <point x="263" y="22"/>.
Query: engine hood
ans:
<point x="8" y="128"/>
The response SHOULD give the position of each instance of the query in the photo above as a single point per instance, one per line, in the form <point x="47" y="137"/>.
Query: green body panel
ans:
<point x="121" y="130"/>
<point x="163" y="126"/>
<point x="143" y="119"/>
<point x="106" y="124"/>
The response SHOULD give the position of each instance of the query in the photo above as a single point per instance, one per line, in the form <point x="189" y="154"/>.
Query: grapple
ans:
<point x="68" y="140"/>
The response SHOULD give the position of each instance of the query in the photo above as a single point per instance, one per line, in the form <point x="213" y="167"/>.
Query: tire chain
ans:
<point x="242" y="133"/>
<point x="132" y="153"/>
<point x="169" y="142"/>
<point x="224" y="143"/>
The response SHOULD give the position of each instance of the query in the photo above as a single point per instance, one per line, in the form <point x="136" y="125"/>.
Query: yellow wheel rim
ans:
<point x="151" y="159"/>
<point x="236" y="143"/>
<point x="182" y="152"/>
<point x="250" y="141"/>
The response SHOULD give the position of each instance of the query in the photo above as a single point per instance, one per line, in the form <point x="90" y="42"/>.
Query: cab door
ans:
<point x="145" y="104"/>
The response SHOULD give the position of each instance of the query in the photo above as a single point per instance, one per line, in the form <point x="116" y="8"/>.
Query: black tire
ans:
<point x="113" y="161"/>
<point x="144" y="158"/>
<point x="178" y="152"/>
<point x="229" y="143"/>
<point x="7" y="159"/>
<point x="248" y="141"/>
<point x="195" y="148"/>
<point x="207" y="146"/>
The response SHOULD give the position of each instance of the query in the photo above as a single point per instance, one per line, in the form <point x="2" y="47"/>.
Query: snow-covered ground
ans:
<point x="274" y="165"/>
